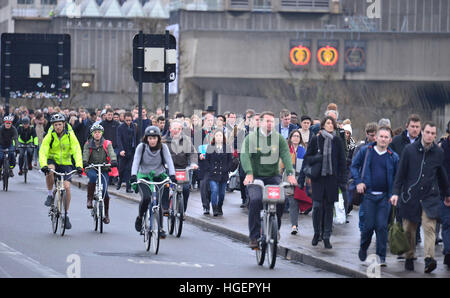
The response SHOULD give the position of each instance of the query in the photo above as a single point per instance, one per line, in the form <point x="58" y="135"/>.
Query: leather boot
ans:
<point x="90" y="194"/>
<point x="106" y="201"/>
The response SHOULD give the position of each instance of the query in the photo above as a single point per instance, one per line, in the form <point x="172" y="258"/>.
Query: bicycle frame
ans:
<point x="25" y="158"/>
<point x="98" y="212"/>
<point x="6" y="166"/>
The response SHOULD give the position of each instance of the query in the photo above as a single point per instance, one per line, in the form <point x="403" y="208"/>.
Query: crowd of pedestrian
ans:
<point x="405" y="167"/>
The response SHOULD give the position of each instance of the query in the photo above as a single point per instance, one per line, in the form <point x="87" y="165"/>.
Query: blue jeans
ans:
<point x="445" y="227"/>
<point x="217" y="192"/>
<point x="12" y="156"/>
<point x="376" y="214"/>
<point x="92" y="175"/>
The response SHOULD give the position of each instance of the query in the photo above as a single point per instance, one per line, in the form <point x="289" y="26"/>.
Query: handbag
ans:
<point x="398" y="242"/>
<point x="356" y="196"/>
<point x="313" y="165"/>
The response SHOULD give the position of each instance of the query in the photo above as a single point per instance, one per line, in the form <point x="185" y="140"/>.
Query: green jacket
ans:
<point x="260" y="154"/>
<point x="60" y="150"/>
<point x="98" y="154"/>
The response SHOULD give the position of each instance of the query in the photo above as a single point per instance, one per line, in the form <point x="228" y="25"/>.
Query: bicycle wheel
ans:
<point x="25" y="168"/>
<point x="94" y="215"/>
<point x="100" y="217"/>
<point x="146" y="230"/>
<point x="5" y="173"/>
<point x="179" y="215"/>
<point x="53" y="213"/>
<point x="272" y="242"/>
<point x="262" y="246"/>
<point x="171" y="216"/>
<point x="154" y="230"/>
<point x="63" y="210"/>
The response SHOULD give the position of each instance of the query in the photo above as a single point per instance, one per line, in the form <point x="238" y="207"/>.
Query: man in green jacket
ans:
<point x="260" y="155"/>
<point x="57" y="149"/>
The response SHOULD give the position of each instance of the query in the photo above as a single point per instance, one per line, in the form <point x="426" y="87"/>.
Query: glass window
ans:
<point x="25" y="1"/>
<point x="262" y="4"/>
<point x="49" y="2"/>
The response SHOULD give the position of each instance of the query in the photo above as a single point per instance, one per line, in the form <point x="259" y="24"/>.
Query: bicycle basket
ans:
<point x="273" y="194"/>
<point x="182" y="176"/>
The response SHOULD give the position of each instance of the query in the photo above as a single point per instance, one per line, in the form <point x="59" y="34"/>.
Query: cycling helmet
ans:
<point x="25" y="120"/>
<point x="152" y="131"/>
<point x="58" y="117"/>
<point x="9" y="118"/>
<point x="97" y="127"/>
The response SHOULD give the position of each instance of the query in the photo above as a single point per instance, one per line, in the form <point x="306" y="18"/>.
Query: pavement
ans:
<point x="341" y="259"/>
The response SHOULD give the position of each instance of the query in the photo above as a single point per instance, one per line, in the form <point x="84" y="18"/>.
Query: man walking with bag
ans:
<point x="419" y="177"/>
<point x="376" y="183"/>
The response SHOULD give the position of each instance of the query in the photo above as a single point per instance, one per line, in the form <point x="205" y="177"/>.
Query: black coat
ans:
<point x="419" y="177"/>
<point x="218" y="165"/>
<point x="110" y="132"/>
<point x="127" y="139"/>
<point x="82" y="130"/>
<point x="326" y="188"/>
<point x="400" y="141"/>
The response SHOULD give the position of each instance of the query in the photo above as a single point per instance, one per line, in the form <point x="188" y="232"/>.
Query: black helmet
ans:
<point x="152" y="131"/>
<point x="25" y="120"/>
<point x="58" y="117"/>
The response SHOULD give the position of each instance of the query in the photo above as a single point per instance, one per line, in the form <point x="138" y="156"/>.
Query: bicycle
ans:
<point x="175" y="217"/>
<point x="5" y="170"/>
<point x="98" y="210"/>
<point x="60" y="204"/>
<point x="25" y="159"/>
<point x="151" y="221"/>
<point x="268" y="241"/>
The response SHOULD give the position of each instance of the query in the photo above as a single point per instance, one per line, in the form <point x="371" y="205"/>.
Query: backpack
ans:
<point x="160" y="152"/>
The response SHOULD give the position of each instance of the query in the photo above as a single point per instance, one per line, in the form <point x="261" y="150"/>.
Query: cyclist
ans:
<point x="97" y="150"/>
<point x="27" y="135"/>
<point x="260" y="155"/>
<point x="182" y="151"/>
<point x="8" y="140"/>
<point x="57" y="149"/>
<point x="149" y="163"/>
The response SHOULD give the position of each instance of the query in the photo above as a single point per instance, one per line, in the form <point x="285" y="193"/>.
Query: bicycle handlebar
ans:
<point x="63" y="174"/>
<point x="91" y="166"/>
<point x="167" y="180"/>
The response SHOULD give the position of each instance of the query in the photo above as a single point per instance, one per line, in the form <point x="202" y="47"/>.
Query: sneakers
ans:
<point x="67" y="223"/>
<point x="205" y="211"/>
<point x="49" y="201"/>
<point x="430" y="265"/>
<point x="138" y="224"/>
<point x="409" y="265"/>
<point x="362" y="254"/>
<point x="294" y="230"/>
<point x="253" y="244"/>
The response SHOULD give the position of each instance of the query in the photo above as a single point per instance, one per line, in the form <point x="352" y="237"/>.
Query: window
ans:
<point x="262" y="5"/>
<point x="49" y="2"/>
<point x="25" y="1"/>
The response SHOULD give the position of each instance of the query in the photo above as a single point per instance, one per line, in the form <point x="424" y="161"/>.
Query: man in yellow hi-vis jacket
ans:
<point x="57" y="149"/>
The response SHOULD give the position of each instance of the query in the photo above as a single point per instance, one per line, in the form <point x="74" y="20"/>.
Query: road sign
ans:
<point x="153" y="59"/>
<point x="35" y="65"/>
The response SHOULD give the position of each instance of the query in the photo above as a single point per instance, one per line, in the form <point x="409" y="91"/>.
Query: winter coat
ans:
<point x="419" y="177"/>
<point x="400" y="141"/>
<point x="326" y="188"/>
<point x="110" y="131"/>
<point x="218" y="165"/>
<point x="127" y="139"/>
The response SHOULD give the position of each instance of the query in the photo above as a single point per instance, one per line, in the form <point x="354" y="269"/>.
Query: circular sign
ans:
<point x="355" y="57"/>
<point x="327" y="56"/>
<point x="300" y="55"/>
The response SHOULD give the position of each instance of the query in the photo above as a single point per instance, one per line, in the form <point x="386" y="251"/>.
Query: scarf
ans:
<point x="327" y="164"/>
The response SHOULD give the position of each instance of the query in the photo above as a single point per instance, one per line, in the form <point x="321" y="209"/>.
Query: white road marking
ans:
<point x="182" y="264"/>
<point x="28" y="262"/>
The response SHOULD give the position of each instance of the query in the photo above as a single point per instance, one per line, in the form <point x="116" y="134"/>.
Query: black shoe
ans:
<point x="430" y="265"/>
<point x="327" y="243"/>
<point x="49" y="201"/>
<point x="362" y="254"/>
<point x="162" y="234"/>
<point x="219" y="210"/>
<point x="20" y="173"/>
<point x="118" y="186"/>
<point x="129" y="190"/>
<point x="409" y="265"/>
<point x="438" y="240"/>
<point x="447" y="260"/>
<point x="205" y="211"/>
<point x="215" y="211"/>
<point x="67" y="223"/>
<point x="315" y="240"/>
<point x="138" y="224"/>
<point x="11" y="173"/>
